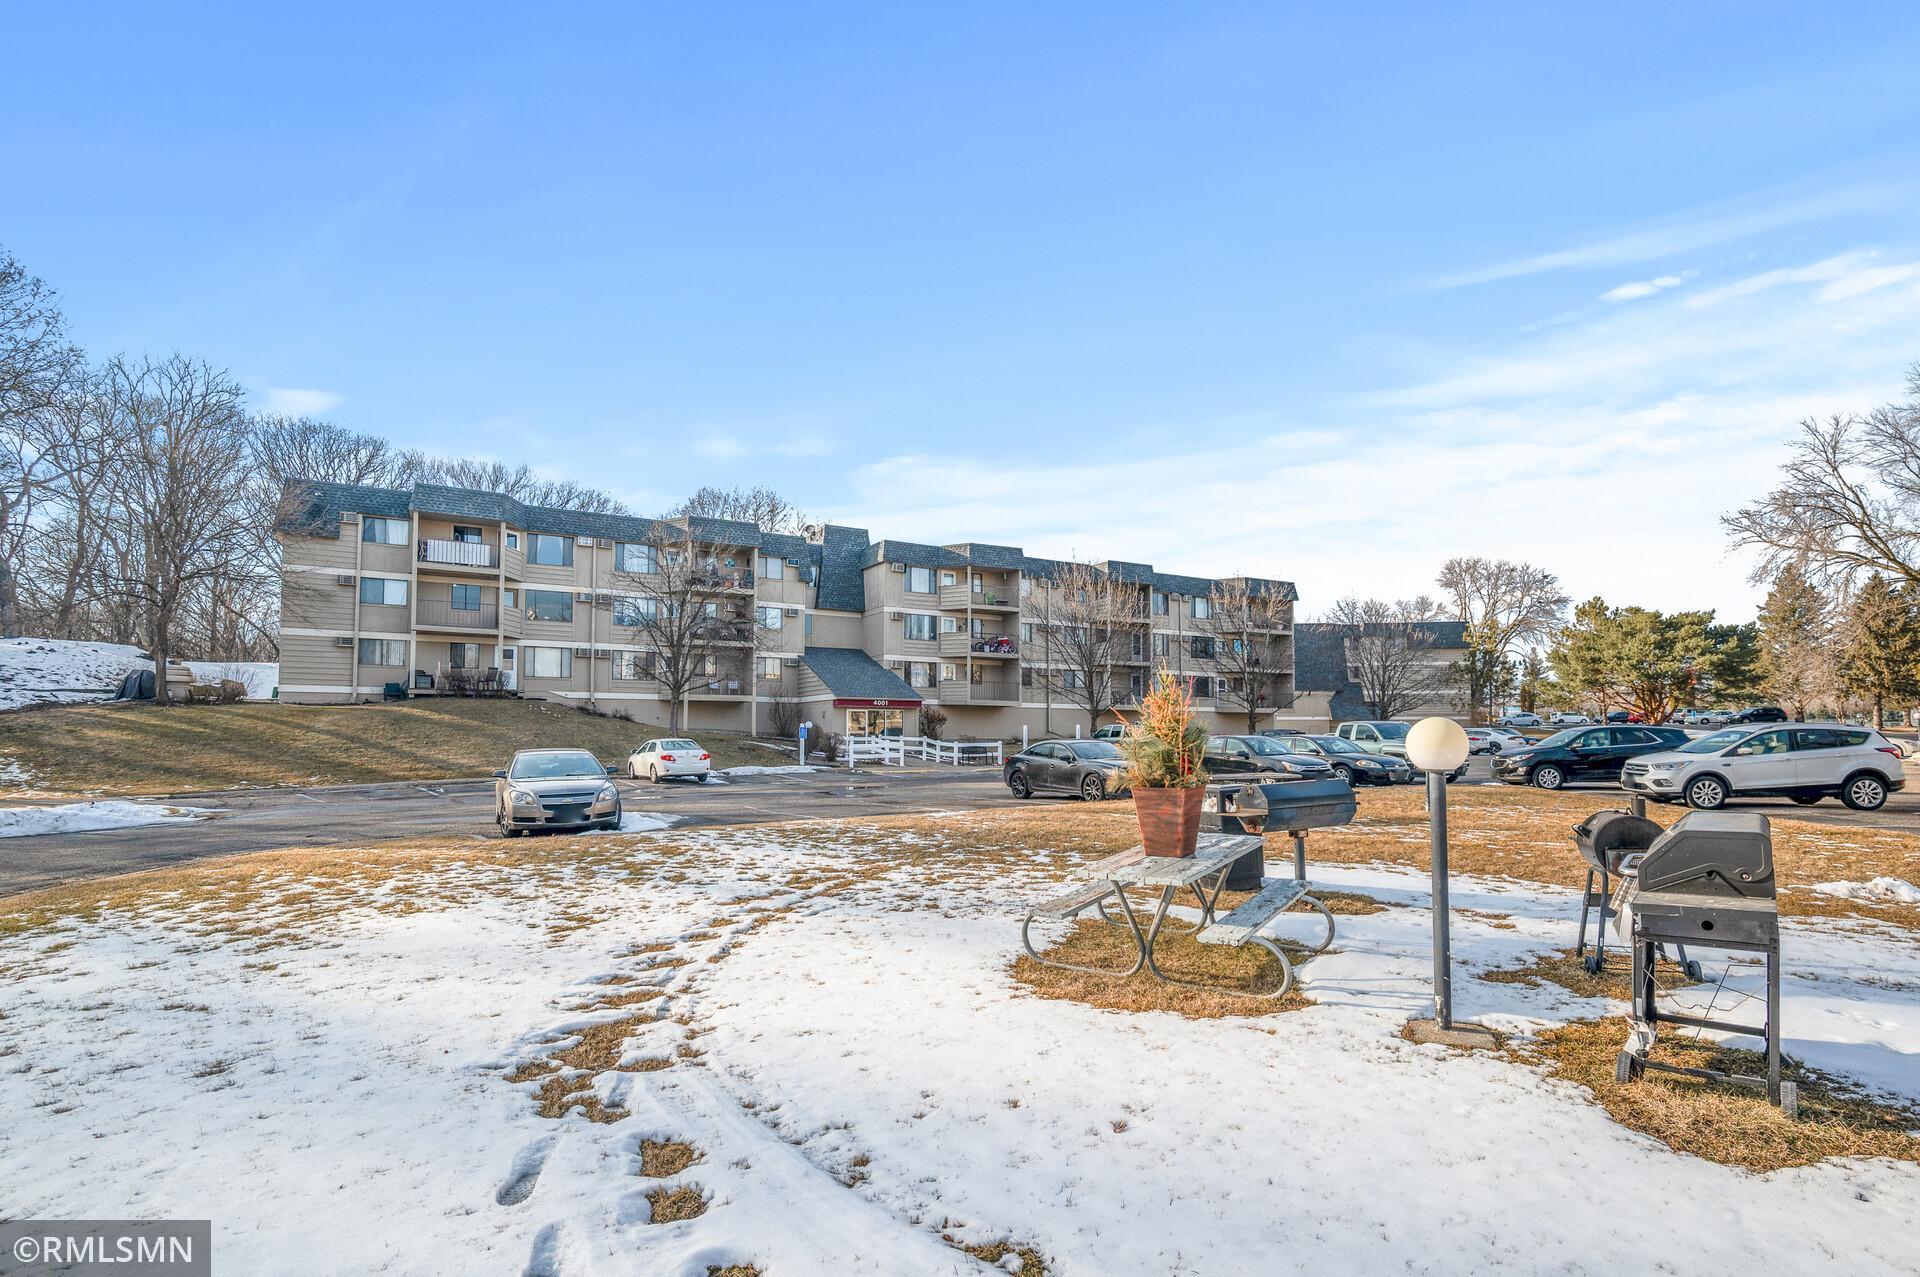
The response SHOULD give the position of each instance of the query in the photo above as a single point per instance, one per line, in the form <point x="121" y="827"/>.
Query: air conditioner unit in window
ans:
<point x="583" y="596"/>
<point x="894" y="616"/>
<point x="791" y="611"/>
<point x="793" y="563"/>
<point x="603" y="600"/>
<point x="342" y="641"/>
<point x="898" y="567"/>
<point x="791" y="661"/>
<point x="345" y="578"/>
<point x="894" y="665"/>
<point x="583" y="651"/>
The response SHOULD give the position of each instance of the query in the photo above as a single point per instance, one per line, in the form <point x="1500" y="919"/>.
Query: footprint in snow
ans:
<point x="525" y="1174"/>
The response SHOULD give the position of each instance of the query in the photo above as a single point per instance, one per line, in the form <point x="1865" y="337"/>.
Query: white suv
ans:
<point x="1802" y="761"/>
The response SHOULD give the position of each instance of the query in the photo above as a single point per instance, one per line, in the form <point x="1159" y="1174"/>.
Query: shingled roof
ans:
<point x="1320" y="661"/>
<point x="850" y="673"/>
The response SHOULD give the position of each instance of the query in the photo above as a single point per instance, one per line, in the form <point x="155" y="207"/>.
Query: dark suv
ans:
<point x="1583" y="753"/>
<point x="1758" y="714"/>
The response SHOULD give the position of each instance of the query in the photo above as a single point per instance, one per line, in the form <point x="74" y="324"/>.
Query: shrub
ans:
<point x="933" y="721"/>
<point x="1168" y="746"/>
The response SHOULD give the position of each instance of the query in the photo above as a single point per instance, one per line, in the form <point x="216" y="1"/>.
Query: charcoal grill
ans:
<point x="1605" y="839"/>
<point x="1707" y="882"/>
<point x="1285" y="807"/>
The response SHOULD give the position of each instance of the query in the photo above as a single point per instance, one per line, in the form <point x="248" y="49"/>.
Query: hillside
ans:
<point x="38" y="671"/>
<point x="142" y="749"/>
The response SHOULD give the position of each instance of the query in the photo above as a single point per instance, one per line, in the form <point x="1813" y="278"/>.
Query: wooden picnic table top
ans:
<point x="1211" y="853"/>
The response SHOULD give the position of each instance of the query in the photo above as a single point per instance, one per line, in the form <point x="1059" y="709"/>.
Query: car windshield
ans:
<point x="677" y="744"/>
<point x="1093" y="749"/>
<point x="1713" y="744"/>
<point x="1560" y="740"/>
<point x="1266" y="745"/>
<point x="1391" y="731"/>
<point x="566" y="762"/>
<point x="1337" y="745"/>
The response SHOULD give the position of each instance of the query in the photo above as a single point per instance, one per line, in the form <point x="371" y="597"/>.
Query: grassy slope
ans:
<point x="139" y="749"/>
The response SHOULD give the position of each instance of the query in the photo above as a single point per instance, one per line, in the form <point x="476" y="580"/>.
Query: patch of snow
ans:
<point x="646" y="822"/>
<point x="80" y="818"/>
<point x="14" y="774"/>
<point x="1886" y="891"/>
<point x="790" y="770"/>
<point x="36" y="671"/>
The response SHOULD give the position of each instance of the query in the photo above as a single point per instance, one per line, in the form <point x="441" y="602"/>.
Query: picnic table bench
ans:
<point x="1213" y="856"/>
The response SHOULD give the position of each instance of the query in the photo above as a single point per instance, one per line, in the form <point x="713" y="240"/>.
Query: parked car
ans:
<point x="1804" y="762"/>
<point x="1240" y="755"/>
<point x="1569" y="718"/>
<point x="669" y="756"/>
<point x="1350" y="763"/>
<point x="1494" y="740"/>
<point x="1376" y="736"/>
<point x="1758" y="714"/>
<point x="1089" y="768"/>
<point x="1520" y="720"/>
<point x="554" y="789"/>
<point x="1110" y="731"/>
<point x="1625" y="716"/>
<point x="1714" y="717"/>
<point x="1583" y="754"/>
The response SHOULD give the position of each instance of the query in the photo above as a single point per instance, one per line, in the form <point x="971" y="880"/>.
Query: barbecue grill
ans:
<point x="1288" y="807"/>
<point x="1707" y="882"/>
<point x="1605" y="839"/>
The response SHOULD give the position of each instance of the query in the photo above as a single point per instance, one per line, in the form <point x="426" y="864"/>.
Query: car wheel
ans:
<point x="653" y="774"/>
<point x="1548" y="777"/>
<point x="1864" y="791"/>
<point x="1706" y="792"/>
<point x="1343" y="773"/>
<point x="1018" y="784"/>
<point x="1092" y="788"/>
<point x="1805" y="800"/>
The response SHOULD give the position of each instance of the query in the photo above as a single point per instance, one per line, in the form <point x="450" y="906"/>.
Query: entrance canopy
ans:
<point x="857" y="681"/>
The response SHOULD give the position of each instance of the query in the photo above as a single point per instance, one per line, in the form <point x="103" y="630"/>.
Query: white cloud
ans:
<point x="1645" y="287"/>
<point x="728" y="447"/>
<point x="301" y="403"/>
<point x="1689" y="233"/>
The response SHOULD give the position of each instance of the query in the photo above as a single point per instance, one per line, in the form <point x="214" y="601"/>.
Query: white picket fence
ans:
<point x="894" y="751"/>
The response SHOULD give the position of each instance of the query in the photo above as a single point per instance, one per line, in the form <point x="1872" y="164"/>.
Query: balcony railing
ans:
<point x="999" y="646"/>
<point x="985" y="692"/>
<point x="958" y="598"/>
<point x="441" y="614"/>
<point x="466" y="554"/>
<point x="709" y="579"/>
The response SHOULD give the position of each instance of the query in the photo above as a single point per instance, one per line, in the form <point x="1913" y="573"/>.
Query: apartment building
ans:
<point x="1328" y="684"/>
<point x="434" y="589"/>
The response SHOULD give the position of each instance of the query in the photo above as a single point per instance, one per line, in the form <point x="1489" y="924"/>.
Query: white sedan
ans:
<point x="1491" y="740"/>
<point x="1569" y="718"/>
<point x="669" y="756"/>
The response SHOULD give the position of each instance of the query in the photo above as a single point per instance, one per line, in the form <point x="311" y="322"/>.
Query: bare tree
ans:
<point x="1504" y="604"/>
<point x="1250" y="622"/>
<point x="183" y="519"/>
<point x="1390" y="653"/>
<point x="759" y="505"/>
<point x="1083" y="621"/>
<point x="519" y="482"/>
<point x="1848" y="502"/>
<point x="38" y="369"/>
<point x="681" y="611"/>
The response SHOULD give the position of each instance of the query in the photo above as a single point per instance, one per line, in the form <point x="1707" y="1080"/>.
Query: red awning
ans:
<point x="850" y="702"/>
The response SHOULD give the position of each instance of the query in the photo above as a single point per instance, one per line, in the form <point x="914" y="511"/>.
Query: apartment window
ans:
<point x="772" y="567"/>
<point x="769" y="667"/>
<point x="463" y="656"/>
<point x="1203" y="686"/>
<point x="465" y="598"/>
<point x="547" y="662"/>
<point x="384" y="531"/>
<point x="513" y="540"/>
<point x="463" y="533"/>
<point x="920" y="580"/>
<point x="1202" y="609"/>
<point x="919" y="674"/>
<point x="549" y="605"/>
<point x="1026" y="631"/>
<point x="806" y="625"/>
<point x="1158" y="602"/>
<point x="980" y="583"/>
<point x="1070" y="679"/>
<point x="949" y="625"/>
<point x="549" y="550"/>
<point x="920" y="625"/>
<point x="383" y="651"/>
<point x="383" y="591"/>
<point x="1026" y="676"/>
<point x="1137" y="684"/>
<point x="1200" y="648"/>
<point x="979" y="674"/>
<point x="1163" y="645"/>
<point x="633" y="609"/>
<point x="770" y="618"/>
<point x="508" y="598"/>
<point x="631" y="667"/>
<point x="630" y="556"/>
<point x="949" y="672"/>
<point x="949" y="578"/>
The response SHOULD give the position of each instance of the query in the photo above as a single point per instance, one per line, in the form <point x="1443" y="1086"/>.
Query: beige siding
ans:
<point x="314" y="601"/>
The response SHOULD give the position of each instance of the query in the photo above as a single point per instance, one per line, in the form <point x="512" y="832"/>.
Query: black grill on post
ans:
<point x="1604" y="838"/>
<point x="1707" y="882"/>
<point x="1284" y="807"/>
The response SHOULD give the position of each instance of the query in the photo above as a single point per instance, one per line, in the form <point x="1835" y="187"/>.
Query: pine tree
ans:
<point x="1880" y="656"/>
<point x="1796" y="629"/>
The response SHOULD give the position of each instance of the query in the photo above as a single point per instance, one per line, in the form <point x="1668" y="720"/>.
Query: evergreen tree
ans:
<point x="1879" y="658"/>
<point x="1796" y="626"/>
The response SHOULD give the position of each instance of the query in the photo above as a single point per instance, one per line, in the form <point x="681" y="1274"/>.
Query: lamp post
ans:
<point x="1436" y="746"/>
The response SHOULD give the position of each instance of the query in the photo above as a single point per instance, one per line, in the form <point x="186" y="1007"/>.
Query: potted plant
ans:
<point x="1166" y="749"/>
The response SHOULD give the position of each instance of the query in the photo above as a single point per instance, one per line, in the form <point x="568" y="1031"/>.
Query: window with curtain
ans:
<point x="549" y="605"/>
<point x="552" y="551"/>
<point x="383" y="651"/>
<point x="919" y="625"/>
<point x="383" y="591"/>
<point x="384" y="531"/>
<point x="547" y="662"/>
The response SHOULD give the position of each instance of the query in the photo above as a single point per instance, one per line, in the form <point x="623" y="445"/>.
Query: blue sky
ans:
<point x="1327" y="293"/>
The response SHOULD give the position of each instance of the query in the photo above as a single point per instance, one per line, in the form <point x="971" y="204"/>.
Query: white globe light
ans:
<point x="1437" y="745"/>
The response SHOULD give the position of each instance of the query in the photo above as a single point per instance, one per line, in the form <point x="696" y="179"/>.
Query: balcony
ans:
<point x="995" y="647"/>
<point x="959" y="598"/>
<point x="440" y="614"/>
<point x="721" y="689"/>
<point x="726" y="632"/>
<point x="459" y="554"/>
<point x="723" y="581"/>
<point x="986" y="692"/>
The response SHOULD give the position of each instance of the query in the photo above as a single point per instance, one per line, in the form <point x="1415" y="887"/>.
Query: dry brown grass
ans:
<point x="1570" y="972"/>
<point x="995" y="1253"/>
<point x="671" y="1205"/>
<point x="1248" y="968"/>
<point x="732" y="1270"/>
<point x="661" y="1159"/>
<point x="1723" y="1123"/>
<point x="132" y="748"/>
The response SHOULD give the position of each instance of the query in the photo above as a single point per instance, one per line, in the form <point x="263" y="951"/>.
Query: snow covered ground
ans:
<point x="76" y="818"/>
<point x="40" y="671"/>
<point x="860" y="1075"/>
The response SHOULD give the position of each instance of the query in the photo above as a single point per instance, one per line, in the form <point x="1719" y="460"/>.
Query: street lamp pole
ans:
<point x="1442" y="918"/>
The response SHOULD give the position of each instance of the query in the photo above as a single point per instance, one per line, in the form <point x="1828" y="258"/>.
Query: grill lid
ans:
<point x="1281" y="807"/>
<point x="1606" y="836"/>
<point x="1711" y="853"/>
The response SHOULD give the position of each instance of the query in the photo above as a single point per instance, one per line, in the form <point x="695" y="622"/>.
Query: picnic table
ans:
<point x="1213" y="856"/>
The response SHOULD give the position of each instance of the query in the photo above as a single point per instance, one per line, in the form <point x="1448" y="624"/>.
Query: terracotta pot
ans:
<point x="1169" y="819"/>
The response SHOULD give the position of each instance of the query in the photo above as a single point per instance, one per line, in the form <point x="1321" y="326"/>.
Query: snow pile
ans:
<point x="36" y="671"/>
<point x="81" y="818"/>
<point x="790" y="770"/>
<point x="646" y="822"/>
<point x="1885" y="891"/>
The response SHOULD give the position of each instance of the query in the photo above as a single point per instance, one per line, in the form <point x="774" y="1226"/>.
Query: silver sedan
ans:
<point x="554" y="789"/>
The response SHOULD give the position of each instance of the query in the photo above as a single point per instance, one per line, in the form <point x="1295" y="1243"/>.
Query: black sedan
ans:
<point x="1090" y="768"/>
<point x="1583" y="753"/>
<point x="1241" y="755"/>
<point x="1350" y="763"/>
